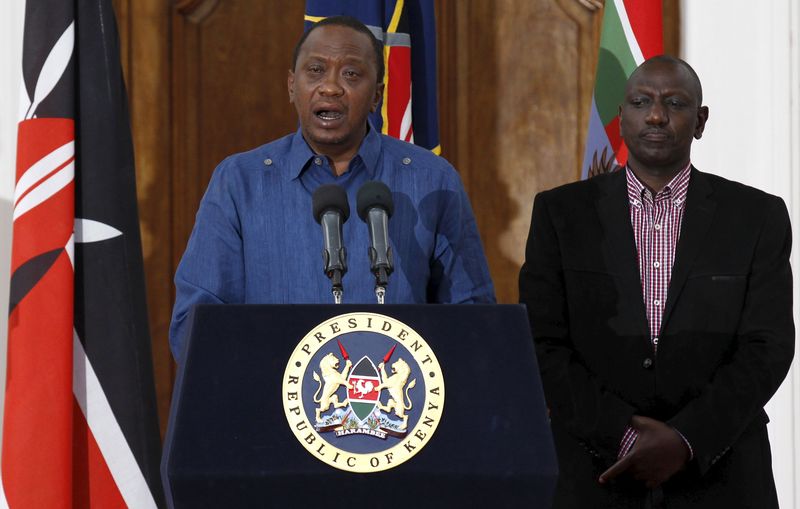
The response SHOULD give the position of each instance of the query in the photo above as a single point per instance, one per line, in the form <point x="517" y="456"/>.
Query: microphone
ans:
<point x="331" y="210"/>
<point x="375" y="206"/>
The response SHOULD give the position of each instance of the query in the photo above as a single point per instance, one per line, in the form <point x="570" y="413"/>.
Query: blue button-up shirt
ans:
<point x="255" y="239"/>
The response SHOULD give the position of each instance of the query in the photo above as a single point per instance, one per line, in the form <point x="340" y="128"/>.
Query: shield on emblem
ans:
<point x="363" y="397"/>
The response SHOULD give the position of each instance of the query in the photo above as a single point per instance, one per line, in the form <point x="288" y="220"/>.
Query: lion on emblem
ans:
<point x="394" y="384"/>
<point x="330" y="382"/>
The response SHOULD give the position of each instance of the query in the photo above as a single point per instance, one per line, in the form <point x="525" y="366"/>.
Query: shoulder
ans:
<point x="742" y="203"/>
<point x="412" y="158"/>
<point x="268" y="157"/>
<point x="583" y="192"/>
<point x="737" y="207"/>
<point x="725" y="189"/>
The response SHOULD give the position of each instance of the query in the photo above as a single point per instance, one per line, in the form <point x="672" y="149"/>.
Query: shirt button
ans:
<point x="657" y="302"/>
<point x="656" y="264"/>
<point x="268" y="162"/>
<point x="406" y="160"/>
<point x="647" y="363"/>
<point x="318" y="161"/>
<point x="657" y="227"/>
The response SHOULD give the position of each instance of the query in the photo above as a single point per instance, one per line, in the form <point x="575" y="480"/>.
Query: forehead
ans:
<point x="335" y="41"/>
<point x="662" y="77"/>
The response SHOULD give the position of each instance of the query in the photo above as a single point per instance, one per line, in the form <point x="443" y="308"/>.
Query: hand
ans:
<point x="592" y="5"/>
<point x="607" y="164"/>
<point x="658" y="454"/>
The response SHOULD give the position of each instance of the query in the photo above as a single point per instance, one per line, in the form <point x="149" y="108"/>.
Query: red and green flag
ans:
<point x="632" y="32"/>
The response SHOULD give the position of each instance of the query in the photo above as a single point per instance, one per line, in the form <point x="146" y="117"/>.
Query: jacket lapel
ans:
<point x="697" y="219"/>
<point x="618" y="245"/>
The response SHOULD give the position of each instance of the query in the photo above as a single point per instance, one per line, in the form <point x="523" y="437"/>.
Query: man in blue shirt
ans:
<point x="255" y="240"/>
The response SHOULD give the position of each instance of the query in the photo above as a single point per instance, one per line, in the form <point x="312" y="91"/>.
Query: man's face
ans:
<point x="660" y="116"/>
<point x="333" y="88"/>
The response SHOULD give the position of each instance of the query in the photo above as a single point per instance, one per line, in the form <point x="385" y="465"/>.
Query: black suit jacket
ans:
<point x="726" y="342"/>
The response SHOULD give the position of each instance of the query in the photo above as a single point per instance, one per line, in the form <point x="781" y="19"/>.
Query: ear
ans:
<point x="290" y="85"/>
<point x="376" y="99"/>
<point x="619" y="116"/>
<point x="702" y="118"/>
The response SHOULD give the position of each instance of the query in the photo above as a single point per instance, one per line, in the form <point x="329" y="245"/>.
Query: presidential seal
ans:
<point x="363" y="392"/>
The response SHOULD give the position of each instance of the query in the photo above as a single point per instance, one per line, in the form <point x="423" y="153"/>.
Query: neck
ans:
<point x="655" y="179"/>
<point x="339" y="160"/>
<point x="338" y="156"/>
<point x="340" y="164"/>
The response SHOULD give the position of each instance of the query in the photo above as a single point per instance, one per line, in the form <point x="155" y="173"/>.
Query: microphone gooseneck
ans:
<point x="331" y="210"/>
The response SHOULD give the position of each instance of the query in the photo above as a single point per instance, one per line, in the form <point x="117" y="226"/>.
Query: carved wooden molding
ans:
<point x="196" y="11"/>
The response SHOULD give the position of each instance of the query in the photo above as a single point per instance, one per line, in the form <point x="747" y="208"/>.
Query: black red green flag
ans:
<point x="80" y="426"/>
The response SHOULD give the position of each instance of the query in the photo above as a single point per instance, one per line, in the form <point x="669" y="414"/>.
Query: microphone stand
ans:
<point x="336" y="285"/>
<point x="381" y="273"/>
<point x="336" y="270"/>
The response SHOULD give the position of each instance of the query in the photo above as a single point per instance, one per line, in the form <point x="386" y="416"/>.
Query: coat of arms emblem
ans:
<point x="363" y="411"/>
<point x="358" y="417"/>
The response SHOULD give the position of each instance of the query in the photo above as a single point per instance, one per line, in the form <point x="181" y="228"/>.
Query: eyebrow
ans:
<point x="347" y="59"/>
<point x="670" y="91"/>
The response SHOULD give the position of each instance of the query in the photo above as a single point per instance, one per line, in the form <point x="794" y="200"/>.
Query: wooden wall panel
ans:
<point x="672" y="27"/>
<point x="515" y="79"/>
<point x="230" y="64"/>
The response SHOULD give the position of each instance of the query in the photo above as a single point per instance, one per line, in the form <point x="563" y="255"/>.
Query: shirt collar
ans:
<point x="300" y="153"/>
<point x="676" y="188"/>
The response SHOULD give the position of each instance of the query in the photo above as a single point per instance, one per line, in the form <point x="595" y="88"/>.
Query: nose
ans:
<point x="657" y="114"/>
<point x="330" y="85"/>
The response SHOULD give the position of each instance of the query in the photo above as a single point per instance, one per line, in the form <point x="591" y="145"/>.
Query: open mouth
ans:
<point x="329" y="115"/>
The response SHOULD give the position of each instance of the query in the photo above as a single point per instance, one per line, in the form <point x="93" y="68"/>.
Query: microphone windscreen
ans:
<point x="330" y="197"/>
<point x="374" y="194"/>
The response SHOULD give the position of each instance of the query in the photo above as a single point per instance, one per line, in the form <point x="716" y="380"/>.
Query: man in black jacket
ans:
<point x="660" y="300"/>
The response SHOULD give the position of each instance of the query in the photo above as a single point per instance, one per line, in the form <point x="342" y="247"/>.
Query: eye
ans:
<point x="675" y="103"/>
<point x="315" y="69"/>
<point x="351" y="74"/>
<point x="638" y="102"/>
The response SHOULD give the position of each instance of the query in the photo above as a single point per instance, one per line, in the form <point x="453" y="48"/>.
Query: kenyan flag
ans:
<point x="80" y="427"/>
<point x="632" y="32"/>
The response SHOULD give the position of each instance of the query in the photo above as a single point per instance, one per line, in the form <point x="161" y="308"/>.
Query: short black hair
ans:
<point x="676" y="61"/>
<point x="349" y="22"/>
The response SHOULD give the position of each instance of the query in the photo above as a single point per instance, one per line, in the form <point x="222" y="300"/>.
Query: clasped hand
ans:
<point x="658" y="453"/>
